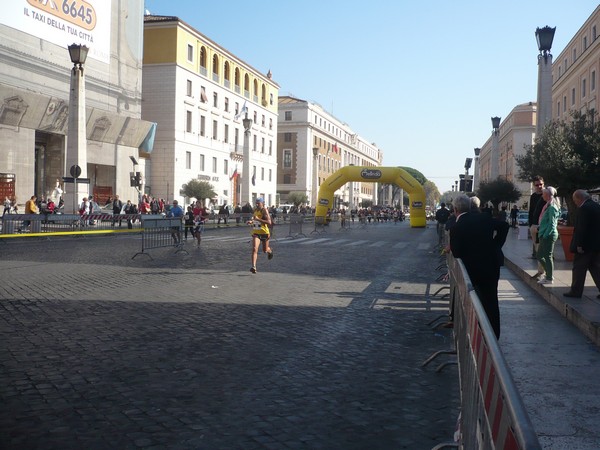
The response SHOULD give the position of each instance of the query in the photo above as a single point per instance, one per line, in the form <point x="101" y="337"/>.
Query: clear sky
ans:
<point x="421" y="79"/>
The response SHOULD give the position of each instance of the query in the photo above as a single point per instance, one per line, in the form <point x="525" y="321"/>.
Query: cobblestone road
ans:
<point x="321" y="349"/>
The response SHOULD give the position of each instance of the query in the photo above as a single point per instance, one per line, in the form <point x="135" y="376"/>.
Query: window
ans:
<point x="189" y="88"/>
<point x="236" y="137"/>
<point x="564" y="103"/>
<point x="203" y="60"/>
<point x="270" y="123"/>
<point x="593" y="81"/>
<point x="583" y="86"/>
<point x="558" y="109"/>
<point x="226" y="104"/>
<point x="262" y="174"/>
<point x="202" y="126"/>
<point x="237" y="108"/>
<point x="270" y="148"/>
<point x="585" y="42"/>
<point x="254" y="143"/>
<point x="201" y="163"/>
<point x="188" y="160"/>
<point x="214" y="168"/>
<point x="203" y="97"/>
<point x="594" y="33"/>
<point x="226" y="134"/>
<point x="226" y="167"/>
<point x="574" y="54"/>
<point x="215" y="125"/>
<point x="215" y="100"/>
<point x="271" y="98"/>
<point x="270" y="174"/>
<point x="287" y="159"/>
<point x="573" y="97"/>
<point x="263" y="120"/>
<point x="287" y="137"/>
<point x="190" y="53"/>
<point x="255" y="117"/>
<point x="287" y="178"/>
<point x="188" y="121"/>
<point x="262" y="146"/>
<point x="288" y="115"/>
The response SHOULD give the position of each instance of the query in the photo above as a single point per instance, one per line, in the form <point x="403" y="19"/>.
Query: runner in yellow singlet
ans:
<point x="261" y="223"/>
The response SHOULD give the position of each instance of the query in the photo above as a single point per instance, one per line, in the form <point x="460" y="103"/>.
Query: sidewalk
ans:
<point x="583" y="312"/>
<point x="554" y="361"/>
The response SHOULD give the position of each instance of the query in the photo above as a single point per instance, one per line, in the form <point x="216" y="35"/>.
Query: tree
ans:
<point x="297" y="198"/>
<point x="432" y="194"/>
<point x="498" y="191"/>
<point x="367" y="203"/>
<point x="415" y="174"/>
<point x="567" y="155"/>
<point x="199" y="190"/>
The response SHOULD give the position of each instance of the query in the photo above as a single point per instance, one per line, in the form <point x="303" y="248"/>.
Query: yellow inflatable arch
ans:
<point x="396" y="175"/>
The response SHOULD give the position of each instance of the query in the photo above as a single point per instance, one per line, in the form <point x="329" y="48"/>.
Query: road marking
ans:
<point x="316" y="241"/>
<point x="401" y="245"/>
<point x="356" y="243"/>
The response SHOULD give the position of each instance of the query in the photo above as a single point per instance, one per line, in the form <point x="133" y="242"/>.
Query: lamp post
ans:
<point x="247" y="176"/>
<point x="476" y="169"/>
<point x="315" y="183"/>
<point x="456" y="185"/>
<point x="544" y="37"/>
<point x="76" y="157"/>
<point x="494" y="156"/>
<point x="468" y="178"/>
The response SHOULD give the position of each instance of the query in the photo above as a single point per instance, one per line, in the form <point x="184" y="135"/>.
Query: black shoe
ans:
<point x="253" y="269"/>
<point x="572" y="295"/>
<point x="270" y="254"/>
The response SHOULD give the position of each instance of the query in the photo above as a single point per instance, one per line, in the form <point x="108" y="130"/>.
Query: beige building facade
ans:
<point x="575" y="75"/>
<point x="576" y="71"/>
<point x="313" y="144"/>
<point x="198" y="93"/>
<point x="35" y="70"/>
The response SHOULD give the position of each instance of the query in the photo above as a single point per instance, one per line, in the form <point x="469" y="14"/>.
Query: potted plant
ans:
<point x="567" y="155"/>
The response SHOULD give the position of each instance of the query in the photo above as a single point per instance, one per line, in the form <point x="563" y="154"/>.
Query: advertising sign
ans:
<point x="64" y="22"/>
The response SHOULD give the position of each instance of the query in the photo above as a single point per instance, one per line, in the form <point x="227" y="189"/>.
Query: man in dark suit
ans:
<point x="477" y="239"/>
<point x="585" y="243"/>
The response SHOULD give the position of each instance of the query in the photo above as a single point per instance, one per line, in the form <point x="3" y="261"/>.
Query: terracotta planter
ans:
<point x="565" y="233"/>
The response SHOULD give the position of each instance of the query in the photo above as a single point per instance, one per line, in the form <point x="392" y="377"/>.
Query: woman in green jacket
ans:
<point x="548" y="233"/>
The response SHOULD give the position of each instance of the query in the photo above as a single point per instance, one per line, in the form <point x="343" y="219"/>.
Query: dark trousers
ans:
<point x="582" y="262"/>
<point x="487" y="291"/>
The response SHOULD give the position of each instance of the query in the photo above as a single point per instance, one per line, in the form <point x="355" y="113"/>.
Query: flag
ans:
<point x="254" y="180"/>
<point x="242" y="111"/>
<point x="335" y="148"/>
<point x="234" y="174"/>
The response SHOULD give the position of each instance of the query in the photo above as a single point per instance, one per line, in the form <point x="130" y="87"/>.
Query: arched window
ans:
<point x="263" y="95"/>
<point x="215" y="68"/>
<point x="255" y="90"/>
<point x="236" y="80"/>
<point x="227" y="71"/>
<point x="246" y="85"/>
<point x="203" y="60"/>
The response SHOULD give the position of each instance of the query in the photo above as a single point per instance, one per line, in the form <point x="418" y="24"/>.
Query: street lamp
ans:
<point x="315" y="176"/>
<point x="477" y="151"/>
<point x="76" y="155"/>
<point x="494" y="154"/>
<point x="544" y="37"/>
<point x="246" y="177"/>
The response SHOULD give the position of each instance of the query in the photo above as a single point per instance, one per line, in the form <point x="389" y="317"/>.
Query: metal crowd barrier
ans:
<point x="16" y="225"/>
<point x="158" y="232"/>
<point x="296" y="222"/>
<point x="493" y="415"/>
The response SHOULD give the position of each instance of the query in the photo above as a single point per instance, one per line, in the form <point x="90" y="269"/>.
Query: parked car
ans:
<point x="522" y="218"/>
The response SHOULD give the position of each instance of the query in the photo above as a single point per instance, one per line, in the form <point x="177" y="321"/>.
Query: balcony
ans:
<point x="236" y="152"/>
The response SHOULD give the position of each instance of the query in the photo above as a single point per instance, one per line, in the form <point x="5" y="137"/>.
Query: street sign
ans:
<point x="75" y="171"/>
<point x="79" y="180"/>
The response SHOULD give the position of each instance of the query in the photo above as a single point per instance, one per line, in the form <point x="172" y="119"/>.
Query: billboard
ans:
<point x="64" y="22"/>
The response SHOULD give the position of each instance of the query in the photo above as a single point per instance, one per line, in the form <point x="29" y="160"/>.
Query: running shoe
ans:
<point x="270" y="254"/>
<point x="253" y="269"/>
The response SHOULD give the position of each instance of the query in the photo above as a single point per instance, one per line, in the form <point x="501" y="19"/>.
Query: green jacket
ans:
<point x="549" y="222"/>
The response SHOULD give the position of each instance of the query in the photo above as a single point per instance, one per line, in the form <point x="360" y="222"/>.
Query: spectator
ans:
<point x="585" y="244"/>
<point x="441" y="215"/>
<point x="478" y="239"/>
<point x="548" y="233"/>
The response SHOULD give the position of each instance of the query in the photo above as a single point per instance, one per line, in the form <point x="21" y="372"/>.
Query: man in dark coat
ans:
<point x="477" y="239"/>
<point x="536" y="203"/>
<point x="585" y="243"/>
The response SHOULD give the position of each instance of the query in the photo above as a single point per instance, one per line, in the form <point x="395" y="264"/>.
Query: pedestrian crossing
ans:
<point x="328" y="241"/>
